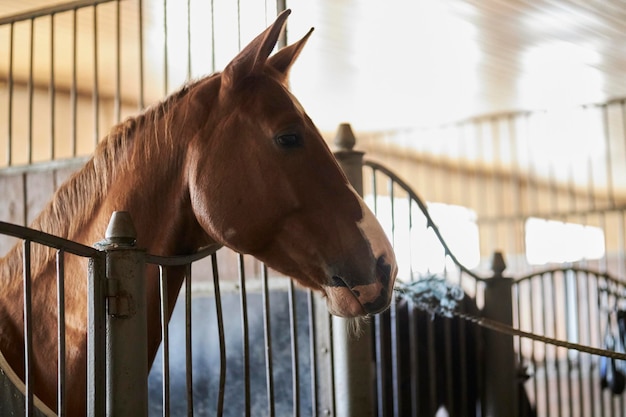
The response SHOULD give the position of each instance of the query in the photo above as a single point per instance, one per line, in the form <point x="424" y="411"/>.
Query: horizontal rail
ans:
<point x="50" y="10"/>
<point x="575" y="269"/>
<point x="183" y="259"/>
<point x="47" y="239"/>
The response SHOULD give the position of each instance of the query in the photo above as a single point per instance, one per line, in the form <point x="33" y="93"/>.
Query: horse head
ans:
<point x="273" y="189"/>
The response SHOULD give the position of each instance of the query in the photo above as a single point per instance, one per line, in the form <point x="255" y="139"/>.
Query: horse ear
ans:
<point x="251" y="60"/>
<point x="284" y="58"/>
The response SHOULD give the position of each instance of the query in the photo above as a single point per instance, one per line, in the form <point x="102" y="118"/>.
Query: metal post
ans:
<point x="354" y="373"/>
<point x="500" y="371"/>
<point x="351" y="161"/>
<point x="126" y="320"/>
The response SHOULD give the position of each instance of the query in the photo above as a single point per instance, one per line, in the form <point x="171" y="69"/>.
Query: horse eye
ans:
<point x="288" y="140"/>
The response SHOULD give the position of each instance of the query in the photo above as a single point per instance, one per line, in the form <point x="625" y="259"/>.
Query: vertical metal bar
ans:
<point x="381" y="360"/>
<point x="331" y="354"/>
<point x="165" y="52"/>
<point x="220" y="333"/>
<point x="545" y="345"/>
<point x="74" y="86"/>
<point x="96" y="86"/>
<point x="557" y="365"/>
<point x="571" y="310"/>
<point x="239" y="26"/>
<point x="243" y="297"/>
<point x="268" y="342"/>
<point x="312" y="350"/>
<point x="281" y="5"/>
<point x="60" y="264"/>
<point x="188" y="39"/>
<point x="31" y="90"/>
<point x="533" y="358"/>
<point x="10" y="103"/>
<point x="608" y="163"/>
<point x="141" y="57"/>
<point x="188" y="342"/>
<point x="96" y="355"/>
<point x="415" y="365"/>
<point x="165" y="360"/>
<point x="432" y="367"/>
<point x="118" y="64"/>
<point x="464" y="360"/>
<point x="295" y="374"/>
<point x="395" y="357"/>
<point x="28" y="333"/>
<point x="212" y="35"/>
<point x="52" y="89"/>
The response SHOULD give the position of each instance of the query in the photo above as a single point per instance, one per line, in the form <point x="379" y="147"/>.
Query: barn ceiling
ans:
<point x="405" y="63"/>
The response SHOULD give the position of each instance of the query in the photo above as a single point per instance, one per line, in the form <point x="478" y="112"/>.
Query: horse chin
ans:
<point x="342" y="302"/>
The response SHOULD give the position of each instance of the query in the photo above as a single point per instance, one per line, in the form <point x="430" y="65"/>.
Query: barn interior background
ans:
<point x="509" y="119"/>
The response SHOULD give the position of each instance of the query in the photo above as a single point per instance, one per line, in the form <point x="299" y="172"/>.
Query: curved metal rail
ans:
<point x="430" y="222"/>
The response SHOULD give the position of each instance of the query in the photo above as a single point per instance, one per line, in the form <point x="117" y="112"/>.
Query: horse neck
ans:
<point x="127" y="173"/>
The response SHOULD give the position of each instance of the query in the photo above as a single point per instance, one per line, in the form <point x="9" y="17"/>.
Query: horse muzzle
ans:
<point x="348" y="297"/>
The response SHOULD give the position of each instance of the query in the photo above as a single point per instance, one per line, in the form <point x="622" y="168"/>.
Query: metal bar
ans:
<point x="557" y="366"/>
<point x="96" y="354"/>
<point x="165" y="360"/>
<point x="141" y="57"/>
<point x="10" y="98"/>
<point x="31" y="91"/>
<point x="281" y="5"/>
<point x="165" y="52"/>
<point x="544" y="327"/>
<point x="52" y="89"/>
<point x="28" y="331"/>
<point x="608" y="163"/>
<point x="212" y="35"/>
<point x="239" y="26"/>
<point x="188" y="342"/>
<point x="312" y="350"/>
<point x="47" y="11"/>
<point x="395" y="358"/>
<point x="96" y="84"/>
<point x="220" y="334"/>
<point x="74" y="86"/>
<point x="381" y="359"/>
<point x="25" y="205"/>
<point x="415" y="366"/>
<point x="294" y="350"/>
<point x="47" y="239"/>
<point x="243" y="297"/>
<point x="268" y="342"/>
<point x="188" y="39"/>
<point x="331" y="355"/>
<point x="60" y="264"/>
<point x="571" y="310"/>
<point x="118" y="64"/>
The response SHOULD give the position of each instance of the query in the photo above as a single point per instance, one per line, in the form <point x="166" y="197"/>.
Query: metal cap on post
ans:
<point x="126" y="320"/>
<point x="353" y="371"/>
<point x="500" y="370"/>
<point x="351" y="161"/>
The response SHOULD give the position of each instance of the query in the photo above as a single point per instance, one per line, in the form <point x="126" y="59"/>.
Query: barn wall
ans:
<point x="510" y="167"/>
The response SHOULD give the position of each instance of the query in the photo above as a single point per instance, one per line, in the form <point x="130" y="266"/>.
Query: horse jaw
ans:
<point x="351" y="298"/>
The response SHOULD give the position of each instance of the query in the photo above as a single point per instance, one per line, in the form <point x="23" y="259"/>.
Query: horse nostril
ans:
<point x="384" y="268"/>
<point x="338" y="282"/>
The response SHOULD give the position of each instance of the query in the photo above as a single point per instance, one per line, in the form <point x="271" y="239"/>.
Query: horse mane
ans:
<point x="75" y="202"/>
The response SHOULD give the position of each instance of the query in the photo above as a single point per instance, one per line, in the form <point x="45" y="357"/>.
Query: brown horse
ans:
<point x="231" y="158"/>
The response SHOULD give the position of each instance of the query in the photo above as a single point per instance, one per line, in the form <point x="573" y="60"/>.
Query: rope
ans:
<point x="506" y="329"/>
